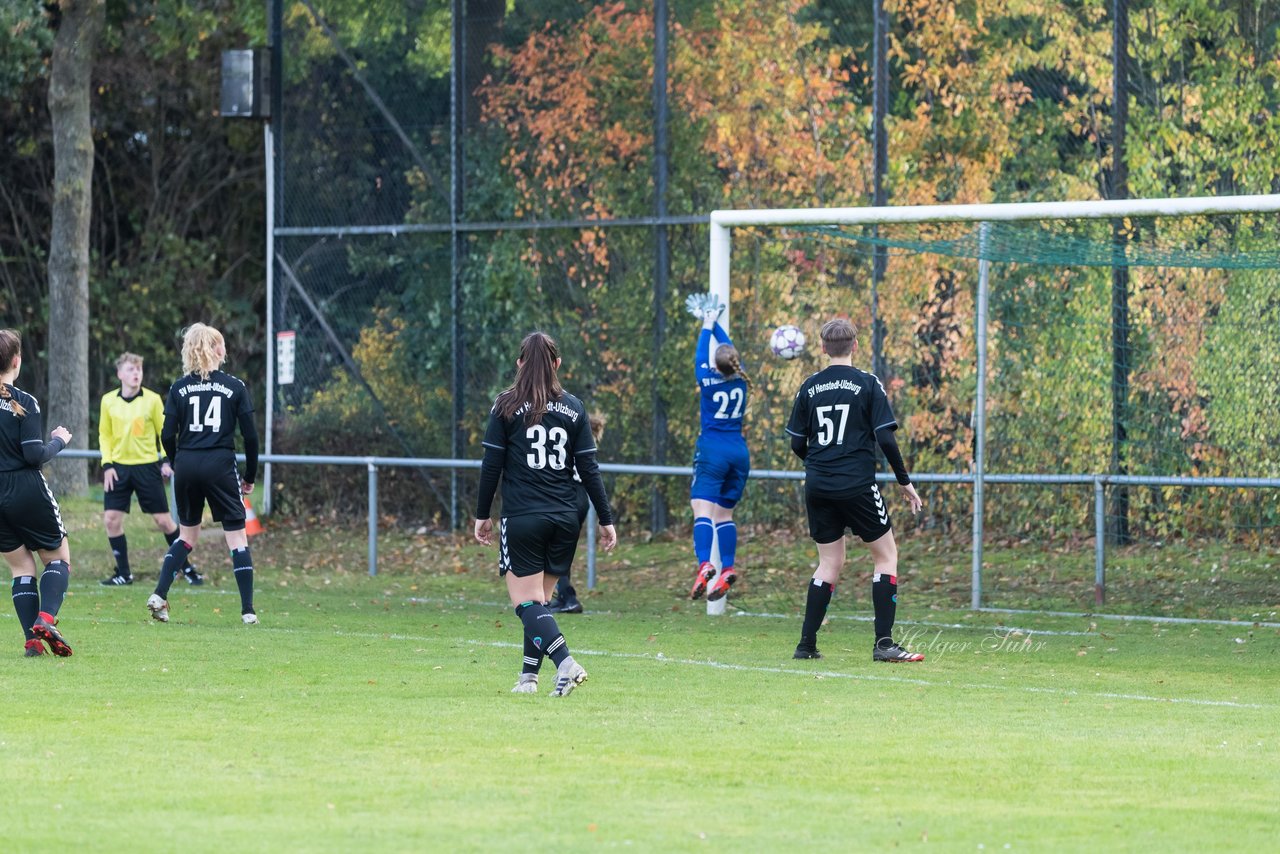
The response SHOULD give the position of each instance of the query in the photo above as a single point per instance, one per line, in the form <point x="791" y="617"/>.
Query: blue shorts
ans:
<point x="720" y="468"/>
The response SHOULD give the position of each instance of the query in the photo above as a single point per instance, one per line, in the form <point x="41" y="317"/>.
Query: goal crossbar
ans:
<point x="722" y="221"/>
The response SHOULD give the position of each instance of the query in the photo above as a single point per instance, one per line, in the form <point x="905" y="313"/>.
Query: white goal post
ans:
<point x="722" y="221"/>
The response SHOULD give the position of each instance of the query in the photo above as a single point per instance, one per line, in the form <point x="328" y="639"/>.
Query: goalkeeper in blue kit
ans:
<point x="721" y="462"/>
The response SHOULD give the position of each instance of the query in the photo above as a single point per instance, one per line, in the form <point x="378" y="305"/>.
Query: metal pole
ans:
<point x="271" y="317"/>
<point x="880" y="168"/>
<point x="661" y="260"/>
<point x="592" y="521"/>
<point x="1119" y="189"/>
<point x="457" y="102"/>
<point x="1100" y="538"/>
<point x="275" y="193"/>
<point x="373" y="519"/>
<point x="980" y="415"/>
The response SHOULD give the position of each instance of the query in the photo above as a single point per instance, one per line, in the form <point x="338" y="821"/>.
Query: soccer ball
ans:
<point x="787" y="341"/>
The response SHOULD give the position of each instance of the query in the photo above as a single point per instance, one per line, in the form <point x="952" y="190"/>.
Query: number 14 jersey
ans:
<point x="838" y="410"/>
<point x="202" y="414"/>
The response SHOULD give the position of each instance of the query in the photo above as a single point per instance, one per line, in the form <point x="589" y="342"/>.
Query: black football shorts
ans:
<point x="143" y="479"/>
<point x="201" y="477"/>
<point x="29" y="515"/>
<point x="537" y="542"/>
<point x="861" y="511"/>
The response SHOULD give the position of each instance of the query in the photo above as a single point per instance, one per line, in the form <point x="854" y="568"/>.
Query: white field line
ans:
<point x="861" y="677"/>
<point x="764" y="615"/>
<point x="745" y="668"/>
<point x="1081" y="615"/>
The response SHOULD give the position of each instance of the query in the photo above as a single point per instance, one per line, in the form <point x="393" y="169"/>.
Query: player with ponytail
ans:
<point x="537" y="437"/>
<point x="30" y="522"/>
<point x="721" y="462"/>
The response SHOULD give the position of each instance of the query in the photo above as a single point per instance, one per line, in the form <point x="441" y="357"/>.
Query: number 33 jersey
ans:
<point x="537" y="473"/>
<point x="838" y="410"/>
<point x="203" y="414"/>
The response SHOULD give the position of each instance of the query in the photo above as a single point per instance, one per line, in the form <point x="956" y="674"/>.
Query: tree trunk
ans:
<point x="70" y="83"/>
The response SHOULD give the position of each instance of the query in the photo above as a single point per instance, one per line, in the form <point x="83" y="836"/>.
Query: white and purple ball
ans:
<point x="787" y="341"/>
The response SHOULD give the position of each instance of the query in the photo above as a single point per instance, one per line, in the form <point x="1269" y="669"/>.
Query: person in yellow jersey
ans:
<point x="133" y="462"/>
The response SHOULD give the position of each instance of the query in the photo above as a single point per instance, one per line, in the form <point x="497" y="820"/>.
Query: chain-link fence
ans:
<point x="451" y="179"/>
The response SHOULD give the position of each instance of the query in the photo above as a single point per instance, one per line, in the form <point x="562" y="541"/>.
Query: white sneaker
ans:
<point x="249" y="619"/>
<point x="528" y="684"/>
<point x="159" y="608"/>
<point x="569" y="675"/>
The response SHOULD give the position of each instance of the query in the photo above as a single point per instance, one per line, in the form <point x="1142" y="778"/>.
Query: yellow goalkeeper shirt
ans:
<point x="129" y="430"/>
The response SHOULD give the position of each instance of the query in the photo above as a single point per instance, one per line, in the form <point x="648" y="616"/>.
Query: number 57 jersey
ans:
<point x="537" y="471"/>
<point x="202" y="413"/>
<point x="838" y="411"/>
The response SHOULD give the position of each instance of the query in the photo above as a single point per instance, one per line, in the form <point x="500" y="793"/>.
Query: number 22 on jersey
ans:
<point x="723" y="399"/>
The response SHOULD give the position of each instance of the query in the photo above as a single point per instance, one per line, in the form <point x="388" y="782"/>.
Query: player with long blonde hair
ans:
<point x="201" y="412"/>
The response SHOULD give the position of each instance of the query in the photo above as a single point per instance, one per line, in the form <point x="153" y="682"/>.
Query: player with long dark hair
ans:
<point x="201" y="412"/>
<point x="30" y="522"/>
<point x="721" y="462"/>
<point x="839" y="416"/>
<point x="537" y="435"/>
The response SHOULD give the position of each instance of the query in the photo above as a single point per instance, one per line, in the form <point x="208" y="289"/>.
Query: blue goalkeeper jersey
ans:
<point x="724" y="401"/>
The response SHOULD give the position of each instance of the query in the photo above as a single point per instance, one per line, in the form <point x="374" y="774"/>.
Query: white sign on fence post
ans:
<point x="284" y="357"/>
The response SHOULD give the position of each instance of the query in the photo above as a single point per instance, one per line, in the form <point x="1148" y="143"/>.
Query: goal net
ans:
<point x="1081" y="387"/>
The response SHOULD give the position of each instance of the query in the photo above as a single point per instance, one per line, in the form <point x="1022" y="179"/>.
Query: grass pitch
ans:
<point x="376" y="712"/>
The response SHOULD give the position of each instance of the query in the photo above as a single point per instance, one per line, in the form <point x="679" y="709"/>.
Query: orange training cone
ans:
<point x="251" y="524"/>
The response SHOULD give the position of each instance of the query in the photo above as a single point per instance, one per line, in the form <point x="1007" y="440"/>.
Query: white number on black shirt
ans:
<point x="827" y="429"/>
<point x="723" y="399"/>
<point x="547" y="447"/>
<point x="212" y="415"/>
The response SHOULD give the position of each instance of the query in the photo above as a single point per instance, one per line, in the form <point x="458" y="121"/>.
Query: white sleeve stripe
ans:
<point x="794" y="433"/>
<point x="887" y="424"/>
<point x="584" y="451"/>
<point x="491" y="445"/>
<point x="34" y="442"/>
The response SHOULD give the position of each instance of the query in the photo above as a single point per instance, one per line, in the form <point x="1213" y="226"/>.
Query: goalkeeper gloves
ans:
<point x="705" y="307"/>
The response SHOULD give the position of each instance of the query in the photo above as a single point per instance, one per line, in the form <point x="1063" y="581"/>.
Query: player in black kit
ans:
<point x="839" y="416"/>
<point x="201" y="412"/>
<point x="30" y="522"/>
<point x="537" y="434"/>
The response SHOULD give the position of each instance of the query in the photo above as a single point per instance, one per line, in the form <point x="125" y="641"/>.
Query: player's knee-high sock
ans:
<point x="532" y="657"/>
<point x="703" y="532"/>
<point x="120" y="550"/>
<point x="727" y="537"/>
<point x="541" y="629"/>
<point x="171" y="566"/>
<point x="884" y="598"/>
<point x="815" y="611"/>
<point x="53" y="586"/>
<point x="26" y="602"/>
<point x="169" y="538"/>
<point x="563" y="588"/>
<point x="242" y="563"/>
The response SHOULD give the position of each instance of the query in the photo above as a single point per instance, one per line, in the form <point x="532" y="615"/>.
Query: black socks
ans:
<point x="169" y="538"/>
<point x="242" y="563"/>
<point x="541" y="630"/>
<point x="26" y="602"/>
<point x="120" y="550"/>
<point x="815" y="611"/>
<point x="884" y="598"/>
<point x="53" y="586"/>
<point x="174" y="558"/>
